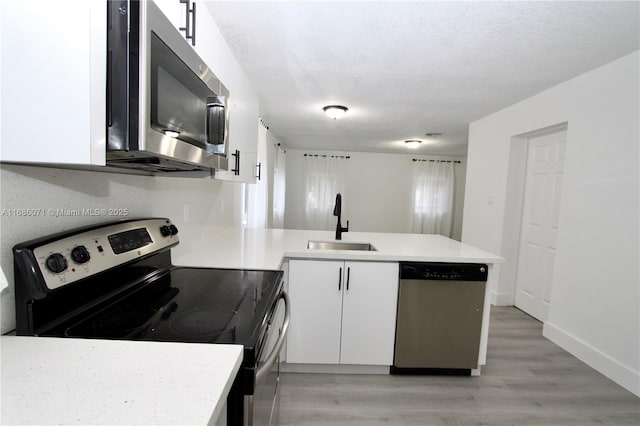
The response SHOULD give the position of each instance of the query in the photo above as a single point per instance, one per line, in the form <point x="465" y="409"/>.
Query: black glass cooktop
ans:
<point x="194" y="305"/>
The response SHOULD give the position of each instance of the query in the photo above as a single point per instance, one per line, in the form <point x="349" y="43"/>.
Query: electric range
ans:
<point x="117" y="281"/>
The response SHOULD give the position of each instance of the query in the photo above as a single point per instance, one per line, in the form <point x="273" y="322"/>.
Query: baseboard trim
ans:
<point x="334" y="368"/>
<point x="501" y="299"/>
<point x="601" y="362"/>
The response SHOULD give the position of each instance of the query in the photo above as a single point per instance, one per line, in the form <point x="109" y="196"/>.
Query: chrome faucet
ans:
<point x="337" y="211"/>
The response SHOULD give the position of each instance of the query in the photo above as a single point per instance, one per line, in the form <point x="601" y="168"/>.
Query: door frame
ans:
<point x="514" y="208"/>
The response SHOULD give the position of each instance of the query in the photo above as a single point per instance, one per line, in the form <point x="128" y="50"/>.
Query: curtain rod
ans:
<point x="325" y="156"/>
<point x="438" y="161"/>
<point x="281" y="147"/>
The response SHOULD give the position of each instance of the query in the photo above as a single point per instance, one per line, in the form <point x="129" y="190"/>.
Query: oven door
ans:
<point x="262" y="408"/>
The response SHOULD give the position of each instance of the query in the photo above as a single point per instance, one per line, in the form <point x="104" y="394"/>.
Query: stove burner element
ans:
<point x="203" y="322"/>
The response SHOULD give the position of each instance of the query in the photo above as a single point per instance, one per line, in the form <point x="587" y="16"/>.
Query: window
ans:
<point x="433" y="190"/>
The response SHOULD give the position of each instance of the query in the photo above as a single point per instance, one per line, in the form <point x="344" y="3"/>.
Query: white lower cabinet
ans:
<point x="342" y="312"/>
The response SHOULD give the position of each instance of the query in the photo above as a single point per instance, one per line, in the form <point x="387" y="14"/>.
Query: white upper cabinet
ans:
<point x="175" y="11"/>
<point x="53" y="81"/>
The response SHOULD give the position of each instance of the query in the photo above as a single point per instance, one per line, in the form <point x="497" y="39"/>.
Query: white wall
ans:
<point x="186" y="201"/>
<point x="594" y="311"/>
<point x="378" y="196"/>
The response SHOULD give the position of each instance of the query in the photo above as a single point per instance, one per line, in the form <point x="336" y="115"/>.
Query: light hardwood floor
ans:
<point x="528" y="380"/>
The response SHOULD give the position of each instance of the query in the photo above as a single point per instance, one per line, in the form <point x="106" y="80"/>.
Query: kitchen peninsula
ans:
<point x="234" y="247"/>
<point x="280" y="248"/>
<point x="102" y="394"/>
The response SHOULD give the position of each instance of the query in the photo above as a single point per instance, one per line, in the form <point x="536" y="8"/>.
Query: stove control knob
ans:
<point x="174" y="229"/>
<point x="56" y="263"/>
<point x="80" y="254"/>
<point x="165" y="230"/>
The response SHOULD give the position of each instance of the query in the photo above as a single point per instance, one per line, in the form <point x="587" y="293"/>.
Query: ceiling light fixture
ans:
<point x="335" y="111"/>
<point x="413" y="143"/>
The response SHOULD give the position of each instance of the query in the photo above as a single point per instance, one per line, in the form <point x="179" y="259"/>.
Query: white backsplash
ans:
<point x="38" y="201"/>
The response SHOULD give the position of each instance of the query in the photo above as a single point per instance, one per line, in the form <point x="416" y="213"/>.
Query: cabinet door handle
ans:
<point x="109" y="88"/>
<point x="348" y="276"/>
<point x="236" y="170"/>
<point x="187" y="9"/>
<point x="259" y="166"/>
<point x="193" y="24"/>
<point x="189" y="30"/>
<point x="340" y="280"/>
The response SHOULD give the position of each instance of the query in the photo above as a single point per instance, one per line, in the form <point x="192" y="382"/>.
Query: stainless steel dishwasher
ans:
<point x="439" y="322"/>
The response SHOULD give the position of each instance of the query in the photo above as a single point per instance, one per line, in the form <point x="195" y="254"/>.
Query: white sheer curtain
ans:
<point x="325" y="177"/>
<point x="433" y="187"/>
<point x="279" y="187"/>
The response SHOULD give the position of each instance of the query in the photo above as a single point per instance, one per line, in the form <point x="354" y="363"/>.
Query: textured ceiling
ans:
<point x="408" y="68"/>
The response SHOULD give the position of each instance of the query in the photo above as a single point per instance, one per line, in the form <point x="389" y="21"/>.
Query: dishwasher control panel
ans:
<point x="443" y="271"/>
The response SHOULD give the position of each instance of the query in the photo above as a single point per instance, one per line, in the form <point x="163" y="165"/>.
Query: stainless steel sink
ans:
<point x="338" y="245"/>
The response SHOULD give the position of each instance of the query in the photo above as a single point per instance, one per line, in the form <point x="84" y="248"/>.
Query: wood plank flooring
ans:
<point x="528" y="380"/>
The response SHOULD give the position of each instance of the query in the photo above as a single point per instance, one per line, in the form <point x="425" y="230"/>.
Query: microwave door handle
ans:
<point x="271" y="359"/>
<point x="211" y="132"/>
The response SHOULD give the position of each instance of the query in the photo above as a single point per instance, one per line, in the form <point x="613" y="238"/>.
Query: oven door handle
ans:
<point x="273" y="356"/>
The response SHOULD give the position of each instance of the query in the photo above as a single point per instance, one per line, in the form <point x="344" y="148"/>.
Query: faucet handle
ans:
<point x="347" y="227"/>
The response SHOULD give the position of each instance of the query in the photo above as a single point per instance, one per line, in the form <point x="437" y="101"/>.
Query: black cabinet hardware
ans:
<point x="259" y="166"/>
<point x="189" y="30"/>
<point x="236" y="169"/>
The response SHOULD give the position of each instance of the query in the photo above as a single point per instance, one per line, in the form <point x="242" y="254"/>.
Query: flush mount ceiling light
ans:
<point x="335" y="111"/>
<point x="413" y="143"/>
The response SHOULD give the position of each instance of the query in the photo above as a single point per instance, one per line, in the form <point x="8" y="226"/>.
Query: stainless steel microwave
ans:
<point x="166" y="110"/>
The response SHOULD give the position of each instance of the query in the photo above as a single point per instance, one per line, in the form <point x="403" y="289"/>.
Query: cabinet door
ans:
<point x="315" y="291"/>
<point x="174" y="10"/>
<point x="53" y="81"/>
<point x="369" y="313"/>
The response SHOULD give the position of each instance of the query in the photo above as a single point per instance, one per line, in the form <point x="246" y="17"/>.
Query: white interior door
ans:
<point x="542" y="196"/>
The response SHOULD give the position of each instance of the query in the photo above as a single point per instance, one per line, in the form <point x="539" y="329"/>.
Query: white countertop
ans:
<point x="266" y="248"/>
<point x="90" y="381"/>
